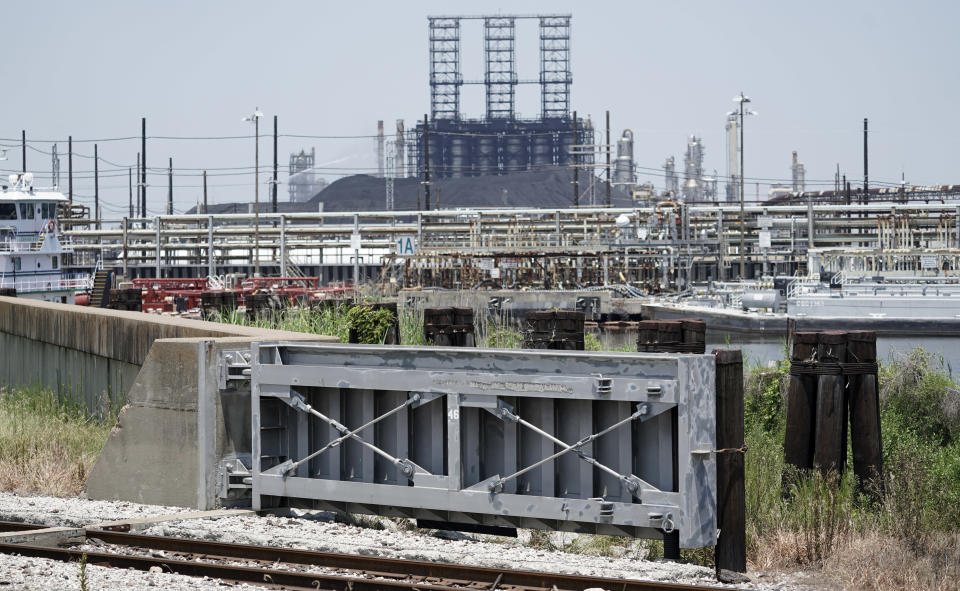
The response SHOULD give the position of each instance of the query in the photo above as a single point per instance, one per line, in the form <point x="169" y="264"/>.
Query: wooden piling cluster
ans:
<point x="10" y="292"/>
<point x="687" y="335"/>
<point x="833" y="382"/>
<point x="449" y="327"/>
<point x="553" y="329"/>
<point x="263" y="305"/>
<point x="128" y="298"/>
<point x="214" y="303"/>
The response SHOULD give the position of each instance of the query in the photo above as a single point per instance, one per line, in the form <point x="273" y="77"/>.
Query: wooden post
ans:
<point x="554" y="329"/>
<point x="694" y="337"/>
<point x="731" y="551"/>
<point x="830" y="447"/>
<point x="801" y="406"/>
<point x="864" y="410"/>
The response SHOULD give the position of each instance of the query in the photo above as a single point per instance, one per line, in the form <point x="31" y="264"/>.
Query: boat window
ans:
<point x="26" y="211"/>
<point x="16" y="263"/>
<point x="8" y="211"/>
<point x="48" y="211"/>
<point x="54" y="263"/>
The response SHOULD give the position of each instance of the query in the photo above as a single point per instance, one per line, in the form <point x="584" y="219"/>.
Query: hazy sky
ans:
<point x="814" y="70"/>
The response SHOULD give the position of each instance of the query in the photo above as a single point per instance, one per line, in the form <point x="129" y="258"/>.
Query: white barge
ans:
<point x="32" y="249"/>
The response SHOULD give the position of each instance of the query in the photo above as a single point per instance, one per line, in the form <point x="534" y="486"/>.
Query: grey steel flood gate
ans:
<point x="614" y="443"/>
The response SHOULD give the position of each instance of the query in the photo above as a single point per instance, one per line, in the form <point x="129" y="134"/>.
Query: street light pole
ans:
<point x="742" y="216"/>
<point x="255" y="118"/>
<point x="742" y="99"/>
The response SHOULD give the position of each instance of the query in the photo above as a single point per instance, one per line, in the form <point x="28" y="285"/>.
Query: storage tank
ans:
<point x="486" y="159"/>
<point x="762" y="298"/>
<point x="515" y="153"/>
<point x="458" y="156"/>
<point x="564" y="146"/>
<point x="542" y="152"/>
<point x="439" y="161"/>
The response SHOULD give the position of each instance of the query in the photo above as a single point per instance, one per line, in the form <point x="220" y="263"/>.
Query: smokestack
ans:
<point x="401" y="144"/>
<point x="380" y="148"/>
<point x="799" y="174"/>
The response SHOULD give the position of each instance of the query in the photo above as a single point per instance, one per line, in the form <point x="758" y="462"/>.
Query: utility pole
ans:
<point x="205" y="210"/>
<point x="96" y="185"/>
<point x="274" y="164"/>
<point x="143" y="166"/>
<point x="23" y="147"/>
<point x="256" y="195"/>
<point x="866" y="176"/>
<point x="141" y="213"/>
<point x="130" y="184"/>
<point x="576" y="161"/>
<point x="609" y="200"/>
<point x="70" y="168"/>
<point x="255" y="118"/>
<point x="170" y="187"/>
<point x="426" y="162"/>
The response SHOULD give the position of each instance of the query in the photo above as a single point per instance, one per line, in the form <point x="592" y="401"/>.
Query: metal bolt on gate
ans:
<point x="610" y="443"/>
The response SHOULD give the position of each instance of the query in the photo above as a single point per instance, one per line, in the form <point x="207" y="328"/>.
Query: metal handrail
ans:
<point x="79" y="282"/>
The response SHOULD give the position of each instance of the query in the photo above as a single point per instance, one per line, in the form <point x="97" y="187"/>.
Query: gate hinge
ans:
<point x="233" y="365"/>
<point x="233" y="475"/>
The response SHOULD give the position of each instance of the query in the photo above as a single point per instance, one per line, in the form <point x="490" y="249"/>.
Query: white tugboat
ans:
<point x="31" y="247"/>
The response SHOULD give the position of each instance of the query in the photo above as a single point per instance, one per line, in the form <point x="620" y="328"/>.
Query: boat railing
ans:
<point x="736" y="299"/>
<point x="8" y="246"/>
<point x="70" y="282"/>
<point x="13" y="246"/>
<point x="802" y="285"/>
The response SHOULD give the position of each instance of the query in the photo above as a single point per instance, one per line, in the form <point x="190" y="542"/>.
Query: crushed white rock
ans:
<point x="315" y="531"/>
<point x="74" y="512"/>
<point x="40" y="574"/>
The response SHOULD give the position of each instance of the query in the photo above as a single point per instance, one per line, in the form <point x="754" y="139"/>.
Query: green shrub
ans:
<point x="764" y="397"/>
<point x="371" y="325"/>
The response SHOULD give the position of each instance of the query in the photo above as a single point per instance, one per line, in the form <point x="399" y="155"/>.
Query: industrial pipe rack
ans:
<point x="664" y="247"/>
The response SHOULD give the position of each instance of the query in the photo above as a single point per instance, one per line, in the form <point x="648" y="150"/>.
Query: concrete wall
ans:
<point x="92" y="354"/>
<point x="99" y="382"/>
<point x="176" y="428"/>
<point x="178" y="422"/>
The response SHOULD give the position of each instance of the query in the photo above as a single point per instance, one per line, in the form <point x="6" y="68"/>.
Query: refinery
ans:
<point x="480" y="340"/>
<point x="499" y="203"/>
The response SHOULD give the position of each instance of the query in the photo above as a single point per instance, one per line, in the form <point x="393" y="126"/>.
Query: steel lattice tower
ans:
<point x="555" y="74"/>
<point x="445" y="79"/>
<point x="499" y="35"/>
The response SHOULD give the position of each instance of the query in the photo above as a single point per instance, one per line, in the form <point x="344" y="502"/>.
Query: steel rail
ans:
<point x="394" y="566"/>
<point x="392" y="573"/>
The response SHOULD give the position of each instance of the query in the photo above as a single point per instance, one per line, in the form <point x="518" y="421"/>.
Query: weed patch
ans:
<point x="47" y="445"/>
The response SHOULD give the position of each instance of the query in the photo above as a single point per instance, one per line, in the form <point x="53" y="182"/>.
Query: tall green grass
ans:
<point x="823" y="522"/>
<point x="47" y="444"/>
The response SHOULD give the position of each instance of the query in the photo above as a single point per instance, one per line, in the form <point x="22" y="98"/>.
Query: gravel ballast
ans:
<point x="316" y="531"/>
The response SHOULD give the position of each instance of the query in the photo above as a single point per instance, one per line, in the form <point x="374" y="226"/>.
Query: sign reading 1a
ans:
<point x="405" y="246"/>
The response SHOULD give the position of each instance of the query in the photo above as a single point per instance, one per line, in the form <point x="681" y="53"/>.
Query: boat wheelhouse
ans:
<point x="32" y="250"/>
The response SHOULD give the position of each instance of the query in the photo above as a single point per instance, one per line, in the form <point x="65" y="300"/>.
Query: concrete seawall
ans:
<point x="91" y="352"/>
<point x="184" y="418"/>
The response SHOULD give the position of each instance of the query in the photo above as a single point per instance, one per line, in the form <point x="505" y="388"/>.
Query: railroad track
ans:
<point x="287" y="568"/>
